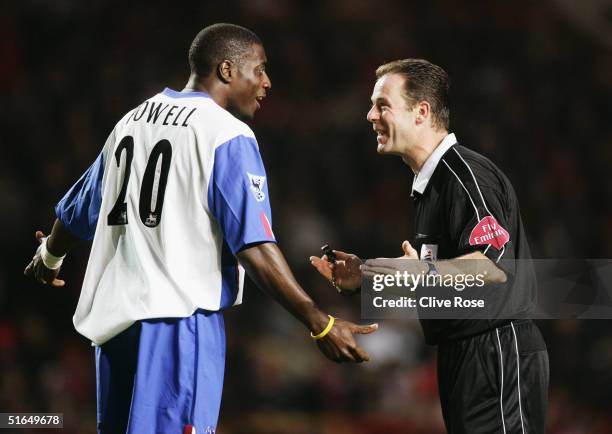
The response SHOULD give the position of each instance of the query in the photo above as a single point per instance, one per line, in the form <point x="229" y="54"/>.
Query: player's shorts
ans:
<point x="162" y="376"/>
<point x="495" y="382"/>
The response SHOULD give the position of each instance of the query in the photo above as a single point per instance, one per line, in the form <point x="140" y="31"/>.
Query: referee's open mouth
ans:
<point x="381" y="136"/>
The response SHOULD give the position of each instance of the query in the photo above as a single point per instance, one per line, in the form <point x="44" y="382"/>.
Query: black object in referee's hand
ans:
<point x="331" y="256"/>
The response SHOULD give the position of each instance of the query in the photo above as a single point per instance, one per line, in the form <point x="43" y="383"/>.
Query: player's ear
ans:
<point x="225" y="71"/>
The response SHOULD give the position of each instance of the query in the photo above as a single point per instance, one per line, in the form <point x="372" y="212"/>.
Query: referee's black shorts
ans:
<point x="495" y="382"/>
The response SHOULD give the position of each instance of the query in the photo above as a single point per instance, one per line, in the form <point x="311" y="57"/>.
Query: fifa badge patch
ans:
<point x="489" y="231"/>
<point x="256" y="184"/>
<point x="429" y="252"/>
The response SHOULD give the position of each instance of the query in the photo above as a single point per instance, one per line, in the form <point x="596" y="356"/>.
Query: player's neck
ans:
<point x="209" y="86"/>
<point x="416" y="155"/>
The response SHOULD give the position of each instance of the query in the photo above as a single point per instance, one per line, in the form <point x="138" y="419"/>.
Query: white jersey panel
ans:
<point x="164" y="250"/>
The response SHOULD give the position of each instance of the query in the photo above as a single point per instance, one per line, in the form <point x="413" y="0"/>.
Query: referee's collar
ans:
<point x="421" y="179"/>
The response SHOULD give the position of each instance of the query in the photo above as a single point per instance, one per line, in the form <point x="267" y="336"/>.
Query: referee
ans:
<point x="492" y="373"/>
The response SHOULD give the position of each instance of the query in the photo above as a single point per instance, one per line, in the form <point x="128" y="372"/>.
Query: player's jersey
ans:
<point x="177" y="191"/>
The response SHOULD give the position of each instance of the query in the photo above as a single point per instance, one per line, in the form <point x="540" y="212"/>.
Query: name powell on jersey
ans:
<point x="256" y="184"/>
<point x="489" y="231"/>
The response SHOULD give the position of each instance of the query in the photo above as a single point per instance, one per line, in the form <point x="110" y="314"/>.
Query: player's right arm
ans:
<point x="77" y="217"/>
<point x="57" y="245"/>
<point x="238" y="198"/>
<point x="266" y="266"/>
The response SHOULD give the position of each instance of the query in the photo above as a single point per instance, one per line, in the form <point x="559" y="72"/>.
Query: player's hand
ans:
<point x="339" y="344"/>
<point x="345" y="271"/>
<point x="37" y="270"/>
<point x="412" y="265"/>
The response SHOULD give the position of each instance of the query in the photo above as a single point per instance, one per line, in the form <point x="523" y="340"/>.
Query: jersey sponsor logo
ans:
<point x="429" y="252"/>
<point x="489" y="231"/>
<point x="256" y="184"/>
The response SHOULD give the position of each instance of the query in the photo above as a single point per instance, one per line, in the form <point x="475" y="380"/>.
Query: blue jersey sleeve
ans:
<point x="238" y="194"/>
<point x="79" y="208"/>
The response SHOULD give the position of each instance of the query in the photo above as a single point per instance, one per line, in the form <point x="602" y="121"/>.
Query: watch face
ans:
<point x="429" y="252"/>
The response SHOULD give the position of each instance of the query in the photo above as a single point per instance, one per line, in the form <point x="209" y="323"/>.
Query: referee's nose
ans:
<point x="373" y="115"/>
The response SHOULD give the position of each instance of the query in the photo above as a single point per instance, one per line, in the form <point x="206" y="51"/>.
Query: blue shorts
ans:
<point x="162" y="376"/>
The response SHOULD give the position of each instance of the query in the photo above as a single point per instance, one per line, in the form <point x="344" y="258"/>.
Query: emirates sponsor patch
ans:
<point x="489" y="231"/>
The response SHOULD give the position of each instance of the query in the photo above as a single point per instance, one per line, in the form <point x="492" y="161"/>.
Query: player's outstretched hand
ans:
<point x="339" y="344"/>
<point x="37" y="269"/>
<point x="344" y="273"/>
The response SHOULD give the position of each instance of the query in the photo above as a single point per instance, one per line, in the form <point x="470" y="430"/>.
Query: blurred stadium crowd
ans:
<point x="529" y="90"/>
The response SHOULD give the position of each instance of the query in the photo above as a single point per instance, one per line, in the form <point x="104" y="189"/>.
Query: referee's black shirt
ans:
<point x="457" y="192"/>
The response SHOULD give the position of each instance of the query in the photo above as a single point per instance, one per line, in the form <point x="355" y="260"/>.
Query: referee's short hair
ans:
<point x="423" y="81"/>
<point x="219" y="42"/>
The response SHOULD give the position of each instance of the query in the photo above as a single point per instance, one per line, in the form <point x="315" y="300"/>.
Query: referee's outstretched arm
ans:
<point x="472" y="263"/>
<point x="267" y="267"/>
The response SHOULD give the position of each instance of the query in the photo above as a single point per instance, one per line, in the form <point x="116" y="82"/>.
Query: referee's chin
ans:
<point x="384" y="148"/>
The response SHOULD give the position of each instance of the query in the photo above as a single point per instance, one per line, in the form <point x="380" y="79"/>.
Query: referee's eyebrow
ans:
<point x="379" y="100"/>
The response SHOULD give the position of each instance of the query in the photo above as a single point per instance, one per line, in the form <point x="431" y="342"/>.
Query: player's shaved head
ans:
<point x="219" y="42"/>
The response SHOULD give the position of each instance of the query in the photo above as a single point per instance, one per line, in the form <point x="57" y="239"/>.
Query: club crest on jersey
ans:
<point x="429" y="252"/>
<point x="256" y="184"/>
<point x="489" y="231"/>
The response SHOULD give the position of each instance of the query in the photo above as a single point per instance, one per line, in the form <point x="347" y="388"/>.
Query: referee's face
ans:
<point x="392" y="120"/>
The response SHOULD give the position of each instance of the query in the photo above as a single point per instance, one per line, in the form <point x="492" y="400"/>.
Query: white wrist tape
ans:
<point x="52" y="262"/>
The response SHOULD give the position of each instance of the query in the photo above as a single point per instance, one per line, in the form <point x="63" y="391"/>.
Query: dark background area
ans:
<point x="531" y="89"/>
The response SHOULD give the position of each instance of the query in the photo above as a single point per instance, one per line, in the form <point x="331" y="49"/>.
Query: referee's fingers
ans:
<point x="409" y="250"/>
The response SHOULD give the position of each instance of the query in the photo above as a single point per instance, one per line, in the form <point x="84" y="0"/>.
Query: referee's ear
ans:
<point x="423" y="112"/>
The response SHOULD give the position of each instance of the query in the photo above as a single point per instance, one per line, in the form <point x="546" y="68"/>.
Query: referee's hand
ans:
<point x="339" y="344"/>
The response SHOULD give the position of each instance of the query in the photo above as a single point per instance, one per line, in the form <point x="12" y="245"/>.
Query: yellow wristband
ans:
<point x="326" y="330"/>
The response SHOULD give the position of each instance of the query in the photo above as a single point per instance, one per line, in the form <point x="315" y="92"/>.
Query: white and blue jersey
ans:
<point x="178" y="189"/>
